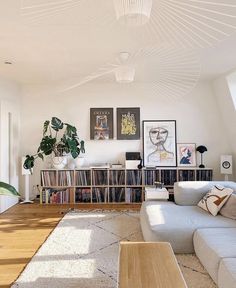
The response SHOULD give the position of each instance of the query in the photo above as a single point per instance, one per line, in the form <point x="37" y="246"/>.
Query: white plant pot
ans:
<point x="70" y="162"/>
<point x="79" y="162"/>
<point x="59" y="162"/>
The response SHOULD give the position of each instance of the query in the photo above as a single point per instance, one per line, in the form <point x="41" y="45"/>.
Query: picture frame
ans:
<point x="186" y="154"/>
<point x="159" y="143"/>
<point x="101" y="123"/>
<point x="128" y="123"/>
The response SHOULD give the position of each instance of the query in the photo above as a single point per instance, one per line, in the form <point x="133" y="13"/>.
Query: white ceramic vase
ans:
<point x="59" y="162"/>
<point x="79" y="162"/>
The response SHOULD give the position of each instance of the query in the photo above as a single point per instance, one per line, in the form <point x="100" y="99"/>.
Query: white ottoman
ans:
<point x="212" y="245"/>
<point x="227" y="273"/>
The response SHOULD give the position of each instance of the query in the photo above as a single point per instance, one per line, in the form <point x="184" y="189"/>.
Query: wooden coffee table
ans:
<point x="149" y="265"/>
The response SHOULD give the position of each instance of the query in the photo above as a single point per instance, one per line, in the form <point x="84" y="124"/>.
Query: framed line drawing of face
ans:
<point x="159" y="143"/>
<point x="101" y="123"/>
<point x="128" y="123"/>
<point x="186" y="154"/>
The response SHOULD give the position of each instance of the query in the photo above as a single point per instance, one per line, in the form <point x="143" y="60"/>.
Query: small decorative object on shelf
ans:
<point x="201" y="149"/>
<point x="132" y="160"/>
<point x="140" y="166"/>
<point x="226" y="165"/>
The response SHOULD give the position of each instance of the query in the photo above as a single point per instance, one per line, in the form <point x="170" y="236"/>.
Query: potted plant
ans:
<point x="58" y="139"/>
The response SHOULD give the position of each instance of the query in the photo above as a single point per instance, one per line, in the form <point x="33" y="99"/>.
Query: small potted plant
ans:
<point x="59" y="139"/>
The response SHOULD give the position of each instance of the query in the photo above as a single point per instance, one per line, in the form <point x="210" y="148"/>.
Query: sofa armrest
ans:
<point x="191" y="192"/>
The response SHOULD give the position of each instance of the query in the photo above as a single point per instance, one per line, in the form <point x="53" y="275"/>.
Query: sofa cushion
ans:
<point x="168" y="222"/>
<point x="229" y="209"/>
<point x="213" y="244"/>
<point x="191" y="192"/>
<point x="227" y="273"/>
<point x="215" y="199"/>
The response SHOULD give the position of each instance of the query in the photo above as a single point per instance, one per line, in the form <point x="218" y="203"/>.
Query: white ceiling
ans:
<point x="73" y="40"/>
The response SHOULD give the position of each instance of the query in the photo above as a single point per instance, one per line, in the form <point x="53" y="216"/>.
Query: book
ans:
<point x="118" y="166"/>
<point x="100" y="165"/>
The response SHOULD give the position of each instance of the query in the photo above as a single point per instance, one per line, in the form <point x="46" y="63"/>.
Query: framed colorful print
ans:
<point x="128" y="123"/>
<point x="159" y="143"/>
<point x="101" y="123"/>
<point x="186" y="154"/>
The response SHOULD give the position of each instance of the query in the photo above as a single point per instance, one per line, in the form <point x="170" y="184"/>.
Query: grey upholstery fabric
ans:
<point x="229" y="209"/>
<point x="211" y="245"/>
<point x="168" y="222"/>
<point x="227" y="273"/>
<point x="191" y="192"/>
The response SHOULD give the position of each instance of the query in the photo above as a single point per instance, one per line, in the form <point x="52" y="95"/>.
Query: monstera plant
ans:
<point x="58" y="139"/>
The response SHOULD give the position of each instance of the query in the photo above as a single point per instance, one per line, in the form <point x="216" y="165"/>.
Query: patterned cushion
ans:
<point x="215" y="199"/>
<point x="229" y="209"/>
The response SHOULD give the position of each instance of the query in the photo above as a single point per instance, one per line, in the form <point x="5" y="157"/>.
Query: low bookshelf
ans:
<point x="111" y="185"/>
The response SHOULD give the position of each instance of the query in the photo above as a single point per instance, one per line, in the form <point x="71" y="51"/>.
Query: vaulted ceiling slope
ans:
<point x="51" y="41"/>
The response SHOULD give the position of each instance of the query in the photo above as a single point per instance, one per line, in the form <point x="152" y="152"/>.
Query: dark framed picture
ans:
<point x="101" y="123"/>
<point x="159" y="143"/>
<point x="128" y="123"/>
<point x="186" y="154"/>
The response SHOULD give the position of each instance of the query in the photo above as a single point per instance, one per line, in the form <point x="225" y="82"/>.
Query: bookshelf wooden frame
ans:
<point x="113" y="185"/>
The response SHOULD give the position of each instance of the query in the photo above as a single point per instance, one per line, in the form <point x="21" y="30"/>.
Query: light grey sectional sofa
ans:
<point x="190" y="229"/>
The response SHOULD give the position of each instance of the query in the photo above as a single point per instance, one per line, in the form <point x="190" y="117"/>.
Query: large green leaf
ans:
<point x="74" y="149"/>
<point x="45" y="127"/>
<point x="7" y="189"/>
<point x="29" y="162"/>
<point x="47" y="144"/>
<point x="71" y="131"/>
<point x="74" y="153"/>
<point x="60" y="149"/>
<point x="56" y="124"/>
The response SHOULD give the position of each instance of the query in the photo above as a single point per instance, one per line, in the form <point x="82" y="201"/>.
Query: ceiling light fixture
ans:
<point x="133" y="12"/>
<point x="124" y="73"/>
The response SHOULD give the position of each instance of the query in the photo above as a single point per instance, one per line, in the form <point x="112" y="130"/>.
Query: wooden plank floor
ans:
<point x="24" y="228"/>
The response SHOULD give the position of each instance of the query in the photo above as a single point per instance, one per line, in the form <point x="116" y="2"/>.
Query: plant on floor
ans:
<point x="59" y="139"/>
<point x="8" y="190"/>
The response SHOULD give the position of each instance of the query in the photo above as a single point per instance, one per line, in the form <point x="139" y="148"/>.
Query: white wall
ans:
<point x="231" y="80"/>
<point x="197" y="117"/>
<point x="227" y="114"/>
<point x="10" y="99"/>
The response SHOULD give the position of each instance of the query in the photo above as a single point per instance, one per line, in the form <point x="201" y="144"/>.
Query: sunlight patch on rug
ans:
<point x="82" y="251"/>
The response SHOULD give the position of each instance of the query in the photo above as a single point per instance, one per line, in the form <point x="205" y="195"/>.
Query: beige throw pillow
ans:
<point x="229" y="209"/>
<point x="215" y="199"/>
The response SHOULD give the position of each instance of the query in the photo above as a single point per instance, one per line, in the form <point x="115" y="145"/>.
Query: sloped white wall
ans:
<point x="197" y="117"/>
<point x="10" y="99"/>
<point x="227" y="115"/>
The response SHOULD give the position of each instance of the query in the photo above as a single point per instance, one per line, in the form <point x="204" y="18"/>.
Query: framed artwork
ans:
<point x="186" y="154"/>
<point x="128" y="123"/>
<point x="159" y="143"/>
<point x="101" y="123"/>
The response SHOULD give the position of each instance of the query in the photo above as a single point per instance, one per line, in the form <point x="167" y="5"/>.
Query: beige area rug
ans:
<point x="82" y="252"/>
